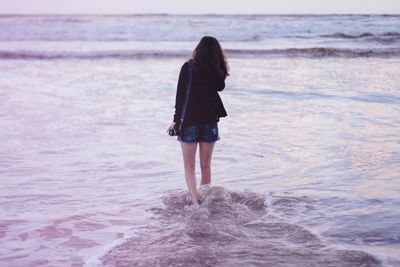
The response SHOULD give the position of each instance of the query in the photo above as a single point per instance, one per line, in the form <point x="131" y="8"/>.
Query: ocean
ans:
<point x="306" y="173"/>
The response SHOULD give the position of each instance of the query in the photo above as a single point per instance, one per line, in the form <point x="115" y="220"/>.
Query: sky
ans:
<point x="199" y="7"/>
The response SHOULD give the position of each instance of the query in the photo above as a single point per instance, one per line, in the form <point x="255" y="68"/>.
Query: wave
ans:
<point x="90" y="55"/>
<point x="363" y="35"/>
<point x="319" y="52"/>
<point x="313" y="52"/>
<point x="229" y="229"/>
<point x="387" y="37"/>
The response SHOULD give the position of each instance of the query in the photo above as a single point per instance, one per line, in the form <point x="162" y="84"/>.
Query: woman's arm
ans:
<point x="220" y="84"/>
<point x="180" y="91"/>
<point x="218" y="81"/>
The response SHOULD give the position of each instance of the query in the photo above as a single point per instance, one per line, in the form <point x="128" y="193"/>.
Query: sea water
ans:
<point x="306" y="173"/>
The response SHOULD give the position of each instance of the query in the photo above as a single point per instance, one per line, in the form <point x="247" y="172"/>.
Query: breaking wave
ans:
<point x="313" y="52"/>
<point x="229" y="229"/>
<point x="387" y="37"/>
<point x="320" y="52"/>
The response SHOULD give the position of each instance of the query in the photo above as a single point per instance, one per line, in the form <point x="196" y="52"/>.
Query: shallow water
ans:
<point x="309" y="154"/>
<point x="87" y="158"/>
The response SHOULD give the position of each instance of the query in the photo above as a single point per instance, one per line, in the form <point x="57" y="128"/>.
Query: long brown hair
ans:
<point x="208" y="55"/>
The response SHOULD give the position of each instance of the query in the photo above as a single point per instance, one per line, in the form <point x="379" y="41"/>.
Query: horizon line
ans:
<point x="196" y="14"/>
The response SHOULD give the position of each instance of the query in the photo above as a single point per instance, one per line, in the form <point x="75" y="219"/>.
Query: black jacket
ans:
<point x="204" y="104"/>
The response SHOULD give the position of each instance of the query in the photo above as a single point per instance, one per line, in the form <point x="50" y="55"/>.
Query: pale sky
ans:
<point x="198" y="7"/>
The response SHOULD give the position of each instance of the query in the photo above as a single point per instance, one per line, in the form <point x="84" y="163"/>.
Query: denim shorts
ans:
<point x="207" y="132"/>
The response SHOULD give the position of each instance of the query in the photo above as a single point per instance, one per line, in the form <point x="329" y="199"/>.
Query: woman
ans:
<point x="204" y="108"/>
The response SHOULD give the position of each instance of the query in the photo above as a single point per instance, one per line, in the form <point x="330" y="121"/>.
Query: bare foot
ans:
<point x="205" y="186"/>
<point x="202" y="191"/>
<point x="195" y="204"/>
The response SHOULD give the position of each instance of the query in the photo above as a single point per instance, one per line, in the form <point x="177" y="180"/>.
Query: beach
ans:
<point x="308" y="158"/>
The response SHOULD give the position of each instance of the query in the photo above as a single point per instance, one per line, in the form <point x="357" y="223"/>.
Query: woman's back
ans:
<point x="202" y="97"/>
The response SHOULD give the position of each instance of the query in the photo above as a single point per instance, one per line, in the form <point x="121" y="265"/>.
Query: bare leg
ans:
<point x="206" y="150"/>
<point x="189" y="161"/>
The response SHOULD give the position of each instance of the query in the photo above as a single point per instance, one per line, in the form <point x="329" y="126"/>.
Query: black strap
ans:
<point x="187" y="91"/>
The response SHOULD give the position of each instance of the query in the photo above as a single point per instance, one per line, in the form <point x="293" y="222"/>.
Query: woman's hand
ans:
<point x="171" y="126"/>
